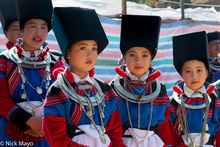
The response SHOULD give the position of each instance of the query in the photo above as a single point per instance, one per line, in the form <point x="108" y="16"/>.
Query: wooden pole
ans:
<point x="124" y="7"/>
<point x="182" y="9"/>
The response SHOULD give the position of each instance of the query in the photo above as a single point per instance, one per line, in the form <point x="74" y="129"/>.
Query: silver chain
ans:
<point x="25" y="79"/>
<point x="89" y="113"/>
<point x="186" y="126"/>
<point x="151" y="110"/>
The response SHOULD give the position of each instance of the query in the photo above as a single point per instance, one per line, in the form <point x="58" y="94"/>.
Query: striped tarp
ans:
<point x="163" y="61"/>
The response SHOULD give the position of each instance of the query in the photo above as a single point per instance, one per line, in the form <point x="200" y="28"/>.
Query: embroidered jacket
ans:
<point x="13" y="117"/>
<point x="62" y="115"/>
<point x="217" y="85"/>
<point x="214" y="72"/>
<point x="160" y="109"/>
<point x="195" y="116"/>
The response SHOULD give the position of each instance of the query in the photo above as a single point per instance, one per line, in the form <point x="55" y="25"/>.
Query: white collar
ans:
<point x="78" y="80"/>
<point x="28" y="53"/>
<point x="133" y="77"/>
<point x="193" y="94"/>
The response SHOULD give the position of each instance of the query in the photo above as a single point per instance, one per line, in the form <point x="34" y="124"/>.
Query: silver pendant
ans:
<point x="39" y="90"/>
<point x="23" y="96"/>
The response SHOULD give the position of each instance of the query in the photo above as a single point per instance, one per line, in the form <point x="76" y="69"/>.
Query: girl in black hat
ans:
<point x="142" y="102"/>
<point x="25" y="76"/>
<point x="80" y="110"/>
<point x="9" y="20"/>
<point x="213" y="51"/>
<point x="195" y="107"/>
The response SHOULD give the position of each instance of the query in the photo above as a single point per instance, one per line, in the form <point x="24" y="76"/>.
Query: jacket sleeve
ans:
<point x="165" y="130"/>
<point x="8" y="108"/>
<point x="55" y="132"/>
<point x="114" y="129"/>
<point x="54" y="119"/>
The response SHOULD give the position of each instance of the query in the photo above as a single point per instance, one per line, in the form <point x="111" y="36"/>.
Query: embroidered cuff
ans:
<point x="19" y="117"/>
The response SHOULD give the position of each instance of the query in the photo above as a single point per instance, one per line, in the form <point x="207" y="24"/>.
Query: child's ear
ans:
<point x="68" y="55"/>
<point x="124" y="56"/>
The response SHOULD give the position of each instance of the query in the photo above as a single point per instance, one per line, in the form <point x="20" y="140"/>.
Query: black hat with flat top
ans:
<point x="34" y="9"/>
<point x="71" y="24"/>
<point x="140" y="31"/>
<point x="8" y="13"/>
<point x="213" y="36"/>
<point x="193" y="46"/>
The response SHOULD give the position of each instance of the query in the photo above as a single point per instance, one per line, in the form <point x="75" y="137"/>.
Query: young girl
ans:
<point x="195" y="107"/>
<point x="214" y="62"/>
<point x="25" y="76"/>
<point x="80" y="110"/>
<point x="9" y="20"/>
<point x="142" y="102"/>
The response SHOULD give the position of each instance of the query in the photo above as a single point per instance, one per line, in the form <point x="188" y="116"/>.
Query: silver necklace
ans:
<point x="139" y="92"/>
<point x="20" y="63"/>
<point x="151" y="111"/>
<point x="133" y="98"/>
<point x="89" y="112"/>
<point x="186" y="126"/>
<point x="38" y="89"/>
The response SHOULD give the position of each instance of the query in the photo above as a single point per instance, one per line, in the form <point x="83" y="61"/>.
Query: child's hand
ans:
<point x="35" y="124"/>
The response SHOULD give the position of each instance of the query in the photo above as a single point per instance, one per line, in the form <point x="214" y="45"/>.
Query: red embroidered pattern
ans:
<point x="55" y="99"/>
<point x="76" y="114"/>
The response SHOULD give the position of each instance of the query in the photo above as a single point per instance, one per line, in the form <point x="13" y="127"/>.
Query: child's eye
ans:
<point x="199" y="70"/>
<point x="83" y="48"/>
<point x="94" y="49"/>
<point x="132" y="55"/>
<point x="32" y="26"/>
<point x="145" y="55"/>
<point x="44" y="27"/>
<point x="187" y="71"/>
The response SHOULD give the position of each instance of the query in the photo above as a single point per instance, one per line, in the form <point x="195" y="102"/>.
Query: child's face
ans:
<point x="82" y="57"/>
<point x="214" y="48"/>
<point x="34" y="34"/>
<point x="194" y="74"/>
<point x="13" y="32"/>
<point x="138" y="60"/>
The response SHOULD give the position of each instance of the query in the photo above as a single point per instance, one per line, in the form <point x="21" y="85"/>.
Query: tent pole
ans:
<point x="124" y="7"/>
<point x="182" y="9"/>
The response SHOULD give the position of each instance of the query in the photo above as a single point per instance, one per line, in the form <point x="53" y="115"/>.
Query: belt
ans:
<point x="71" y="131"/>
<point x="211" y="141"/>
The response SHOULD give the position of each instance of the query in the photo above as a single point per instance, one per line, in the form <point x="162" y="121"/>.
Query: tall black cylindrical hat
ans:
<point x="140" y="31"/>
<point x="8" y="13"/>
<point x="76" y="24"/>
<point x="193" y="46"/>
<point x="34" y="9"/>
<point x="213" y="36"/>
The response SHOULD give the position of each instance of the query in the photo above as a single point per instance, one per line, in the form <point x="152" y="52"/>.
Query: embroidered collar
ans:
<point x="194" y="94"/>
<point x="134" y="99"/>
<point x="213" y="59"/>
<point x="32" y="55"/>
<point x="41" y="61"/>
<point x="69" y="91"/>
<point x="133" y="77"/>
<point x="78" y="80"/>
